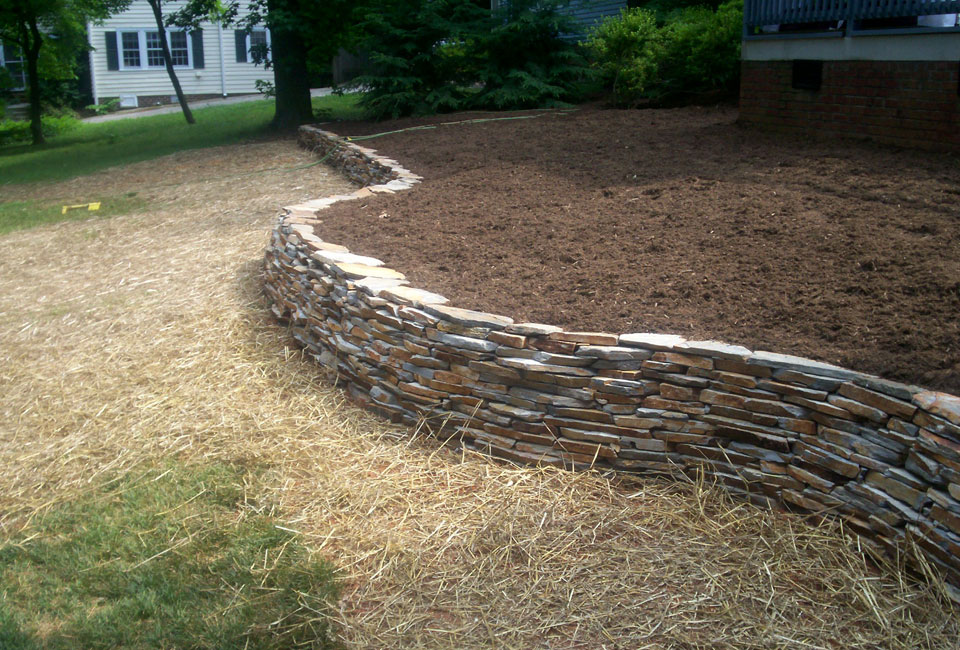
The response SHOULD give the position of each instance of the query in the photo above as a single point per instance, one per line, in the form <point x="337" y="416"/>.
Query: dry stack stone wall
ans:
<point x="778" y="430"/>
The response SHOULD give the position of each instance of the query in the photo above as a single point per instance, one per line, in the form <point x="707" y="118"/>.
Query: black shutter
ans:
<point x="113" y="59"/>
<point x="240" y="38"/>
<point x="196" y="40"/>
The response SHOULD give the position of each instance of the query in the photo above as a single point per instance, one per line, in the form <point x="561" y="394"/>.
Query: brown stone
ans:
<point x="880" y="401"/>
<point x="590" y="338"/>
<point x="942" y="404"/>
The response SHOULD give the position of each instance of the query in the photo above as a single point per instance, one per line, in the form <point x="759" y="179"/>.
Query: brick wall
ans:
<point x="908" y="103"/>
<point x="778" y="430"/>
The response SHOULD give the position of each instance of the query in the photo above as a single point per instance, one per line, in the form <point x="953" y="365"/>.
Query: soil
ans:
<point x="679" y="221"/>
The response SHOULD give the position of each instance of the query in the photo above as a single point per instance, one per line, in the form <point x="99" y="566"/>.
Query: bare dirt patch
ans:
<point x="129" y="341"/>
<point x="680" y="221"/>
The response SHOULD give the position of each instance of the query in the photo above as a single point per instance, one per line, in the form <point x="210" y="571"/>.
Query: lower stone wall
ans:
<point x="781" y="431"/>
<point x="909" y="103"/>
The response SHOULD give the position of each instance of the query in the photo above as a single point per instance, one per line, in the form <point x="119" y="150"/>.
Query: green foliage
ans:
<point x="108" y="106"/>
<point x="172" y="559"/>
<point x="524" y="61"/>
<point x="628" y="51"/>
<point x="94" y="146"/>
<point x="12" y="132"/>
<point x="419" y="54"/>
<point x="693" y="54"/>
<point x="431" y="56"/>
<point x="703" y="52"/>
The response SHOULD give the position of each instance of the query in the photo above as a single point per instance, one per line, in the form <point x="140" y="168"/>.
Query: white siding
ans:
<point x="238" y="78"/>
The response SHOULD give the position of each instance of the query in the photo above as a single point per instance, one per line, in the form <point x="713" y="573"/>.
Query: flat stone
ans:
<point x="319" y="245"/>
<point x="715" y="349"/>
<point x="590" y="338"/>
<point x="532" y="329"/>
<point x="611" y="353"/>
<point x="412" y="296"/>
<point x="887" y="387"/>
<point x="333" y="257"/>
<point x="373" y="286"/>
<point x="532" y="365"/>
<point x="468" y="317"/>
<point x="800" y="364"/>
<point x="943" y="404"/>
<point x="858" y="408"/>
<point x="651" y="341"/>
<point x="463" y="342"/>
<point x="356" y="271"/>
<point x="515" y="412"/>
<point x="561" y="359"/>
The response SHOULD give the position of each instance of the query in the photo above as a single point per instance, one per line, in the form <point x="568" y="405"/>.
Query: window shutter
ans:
<point x="113" y="59"/>
<point x="240" y="38"/>
<point x="196" y="40"/>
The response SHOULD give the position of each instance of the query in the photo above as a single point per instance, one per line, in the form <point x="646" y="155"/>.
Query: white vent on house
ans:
<point x="128" y="101"/>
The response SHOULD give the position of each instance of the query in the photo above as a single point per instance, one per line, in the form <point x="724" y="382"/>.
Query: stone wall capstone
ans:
<point x="779" y="430"/>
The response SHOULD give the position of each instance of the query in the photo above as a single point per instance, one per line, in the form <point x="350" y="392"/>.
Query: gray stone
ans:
<point x="715" y="349"/>
<point x="531" y="365"/>
<point x="464" y="342"/>
<point x="800" y="364"/>
<point x="531" y="329"/>
<point x="412" y="296"/>
<point x="468" y="317"/>
<point x="612" y="353"/>
<point x="652" y="341"/>
<point x="333" y="257"/>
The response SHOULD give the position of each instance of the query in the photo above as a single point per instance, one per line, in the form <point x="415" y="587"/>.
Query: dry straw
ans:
<point x="128" y="341"/>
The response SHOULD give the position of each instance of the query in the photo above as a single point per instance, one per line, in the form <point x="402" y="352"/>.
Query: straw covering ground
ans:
<point x="129" y="341"/>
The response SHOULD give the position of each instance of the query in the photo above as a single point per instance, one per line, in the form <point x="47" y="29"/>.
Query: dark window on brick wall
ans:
<point x="807" y="75"/>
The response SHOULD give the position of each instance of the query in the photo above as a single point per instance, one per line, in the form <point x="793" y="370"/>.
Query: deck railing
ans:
<point x="846" y="16"/>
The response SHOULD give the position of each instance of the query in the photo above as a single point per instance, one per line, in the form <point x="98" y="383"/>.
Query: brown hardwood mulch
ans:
<point x="679" y="221"/>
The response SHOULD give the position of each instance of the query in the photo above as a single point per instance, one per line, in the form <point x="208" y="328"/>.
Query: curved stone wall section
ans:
<point x="776" y="429"/>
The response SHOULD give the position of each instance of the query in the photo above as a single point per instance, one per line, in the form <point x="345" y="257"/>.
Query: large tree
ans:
<point x="50" y="33"/>
<point x="305" y="35"/>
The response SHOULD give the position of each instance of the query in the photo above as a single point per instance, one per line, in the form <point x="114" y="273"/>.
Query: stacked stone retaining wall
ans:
<point x="781" y="431"/>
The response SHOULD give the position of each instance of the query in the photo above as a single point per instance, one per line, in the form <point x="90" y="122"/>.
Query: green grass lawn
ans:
<point x="92" y="147"/>
<point x="176" y="557"/>
<point x="17" y="215"/>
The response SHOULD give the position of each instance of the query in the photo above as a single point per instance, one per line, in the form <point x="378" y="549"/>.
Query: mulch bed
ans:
<point x="679" y="221"/>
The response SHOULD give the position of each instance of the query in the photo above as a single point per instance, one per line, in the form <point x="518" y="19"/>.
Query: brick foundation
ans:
<point x="912" y="103"/>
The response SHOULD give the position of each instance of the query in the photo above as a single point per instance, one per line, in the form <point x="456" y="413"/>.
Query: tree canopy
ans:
<point x="50" y="33"/>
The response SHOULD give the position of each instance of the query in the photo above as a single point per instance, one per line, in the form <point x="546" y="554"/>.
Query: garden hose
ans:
<point x="355" y="138"/>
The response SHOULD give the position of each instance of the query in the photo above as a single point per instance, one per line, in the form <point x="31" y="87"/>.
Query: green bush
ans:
<point x="419" y="57"/>
<point x="703" y="53"/>
<point x="432" y="56"/>
<point x="628" y="52"/>
<point x="524" y="61"/>
<point x="12" y="132"/>
<point x="694" y="54"/>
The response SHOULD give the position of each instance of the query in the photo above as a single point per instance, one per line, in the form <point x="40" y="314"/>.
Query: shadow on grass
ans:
<point x="178" y="556"/>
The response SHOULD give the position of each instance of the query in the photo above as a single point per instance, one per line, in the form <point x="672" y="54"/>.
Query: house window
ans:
<point x="252" y="46"/>
<point x="154" y="50"/>
<point x="145" y="46"/>
<point x="130" y="44"/>
<point x="12" y="60"/>
<point x="179" y="50"/>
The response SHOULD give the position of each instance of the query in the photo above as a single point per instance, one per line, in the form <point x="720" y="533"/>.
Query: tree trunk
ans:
<point x="31" y="49"/>
<point x="168" y="61"/>
<point x="290" y="78"/>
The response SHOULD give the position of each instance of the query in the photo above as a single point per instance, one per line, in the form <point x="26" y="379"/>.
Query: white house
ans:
<point x="12" y="60"/>
<point x="126" y="61"/>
